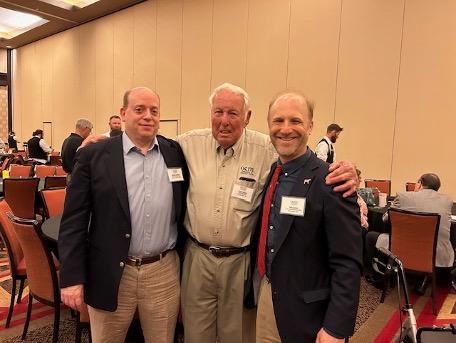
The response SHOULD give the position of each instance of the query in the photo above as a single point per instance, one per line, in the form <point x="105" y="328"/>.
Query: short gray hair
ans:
<point x="233" y="89"/>
<point x="83" y="123"/>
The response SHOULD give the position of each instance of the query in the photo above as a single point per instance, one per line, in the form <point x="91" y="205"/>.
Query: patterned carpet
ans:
<point x="372" y="317"/>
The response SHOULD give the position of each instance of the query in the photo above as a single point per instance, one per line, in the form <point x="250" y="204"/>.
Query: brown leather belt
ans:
<point x="138" y="261"/>
<point x="221" y="251"/>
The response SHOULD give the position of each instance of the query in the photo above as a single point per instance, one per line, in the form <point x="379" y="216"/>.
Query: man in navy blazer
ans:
<point x="312" y="240"/>
<point x="123" y="211"/>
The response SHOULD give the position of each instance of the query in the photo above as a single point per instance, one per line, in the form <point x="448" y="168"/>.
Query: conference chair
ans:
<point x="17" y="170"/>
<point x="384" y="186"/>
<point x="42" y="276"/>
<point x="413" y="240"/>
<point x="42" y="171"/>
<point x="5" y="164"/>
<point x="18" y="270"/>
<point x="53" y="199"/>
<point x="55" y="181"/>
<point x="410" y="186"/>
<point x="60" y="172"/>
<point x="55" y="160"/>
<point x="20" y="194"/>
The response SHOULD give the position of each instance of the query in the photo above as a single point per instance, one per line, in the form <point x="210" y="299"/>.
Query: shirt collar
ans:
<point x="128" y="145"/>
<point x="297" y="163"/>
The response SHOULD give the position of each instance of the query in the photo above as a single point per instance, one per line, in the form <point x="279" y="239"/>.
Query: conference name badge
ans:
<point x="242" y="192"/>
<point x="293" y="206"/>
<point x="175" y="174"/>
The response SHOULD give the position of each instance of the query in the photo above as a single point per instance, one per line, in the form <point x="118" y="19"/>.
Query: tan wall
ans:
<point x="384" y="70"/>
<point x="3" y="61"/>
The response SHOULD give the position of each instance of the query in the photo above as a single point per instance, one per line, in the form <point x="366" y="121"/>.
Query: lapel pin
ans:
<point x="307" y="181"/>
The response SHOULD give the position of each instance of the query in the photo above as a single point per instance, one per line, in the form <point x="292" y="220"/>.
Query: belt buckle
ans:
<point x="137" y="260"/>
<point x="214" y="250"/>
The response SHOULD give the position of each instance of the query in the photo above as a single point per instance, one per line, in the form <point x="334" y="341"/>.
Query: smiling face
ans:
<point x="228" y="117"/>
<point x="289" y="126"/>
<point x="141" y="116"/>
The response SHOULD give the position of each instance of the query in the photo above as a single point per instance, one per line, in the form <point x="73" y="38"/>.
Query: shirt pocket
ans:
<point x="251" y="188"/>
<point x="316" y="295"/>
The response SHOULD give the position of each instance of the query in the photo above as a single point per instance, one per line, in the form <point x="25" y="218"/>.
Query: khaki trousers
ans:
<point x="212" y="296"/>
<point x="266" y="326"/>
<point x="154" y="290"/>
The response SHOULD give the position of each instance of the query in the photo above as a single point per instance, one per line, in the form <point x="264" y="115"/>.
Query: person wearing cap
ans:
<point x="325" y="148"/>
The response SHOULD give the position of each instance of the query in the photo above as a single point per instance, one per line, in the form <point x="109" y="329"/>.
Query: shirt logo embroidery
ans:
<point x="245" y="170"/>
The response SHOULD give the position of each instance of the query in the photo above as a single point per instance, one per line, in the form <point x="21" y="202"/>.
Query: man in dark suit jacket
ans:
<point x="311" y="240"/>
<point x="124" y="207"/>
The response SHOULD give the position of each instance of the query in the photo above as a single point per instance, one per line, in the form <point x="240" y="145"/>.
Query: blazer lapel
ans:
<point x="300" y="189"/>
<point x="114" y="163"/>
<point x="170" y="156"/>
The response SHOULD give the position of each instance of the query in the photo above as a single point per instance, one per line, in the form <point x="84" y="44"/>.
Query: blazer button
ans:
<point x="127" y="235"/>
<point x="122" y="264"/>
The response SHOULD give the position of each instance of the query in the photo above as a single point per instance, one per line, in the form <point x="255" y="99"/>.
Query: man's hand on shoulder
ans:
<point x="91" y="139"/>
<point x="341" y="171"/>
<point x="324" y="337"/>
<point x="73" y="296"/>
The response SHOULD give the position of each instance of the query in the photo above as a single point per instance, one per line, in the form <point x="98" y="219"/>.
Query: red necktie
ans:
<point x="265" y="221"/>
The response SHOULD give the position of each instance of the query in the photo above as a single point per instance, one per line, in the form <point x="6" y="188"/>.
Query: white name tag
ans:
<point x="293" y="206"/>
<point x="175" y="174"/>
<point x="242" y="192"/>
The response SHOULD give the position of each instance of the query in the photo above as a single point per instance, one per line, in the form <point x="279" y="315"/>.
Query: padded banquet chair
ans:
<point x="42" y="171"/>
<point x="55" y="160"/>
<point x="413" y="240"/>
<point x="60" y="172"/>
<point x="17" y="170"/>
<point x="42" y="277"/>
<point x="55" y="181"/>
<point x="410" y="186"/>
<point x="53" y="199"/>
<point x="384" y="186"/>
<point x="5" y="164"/>
<point x="20" y="194"/>
<point x="18" y="270"/>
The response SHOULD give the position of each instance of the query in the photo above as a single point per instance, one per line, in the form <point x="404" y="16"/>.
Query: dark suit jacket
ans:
<point x="317" y="262"/>
<point x="98" y="193"/>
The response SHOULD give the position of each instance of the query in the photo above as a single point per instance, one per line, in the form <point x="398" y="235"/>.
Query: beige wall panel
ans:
<point x="87" y="79"/>
<point x="368" y="70"/>
<point x="66" y="79"/>
<point x="17" y="94"/>
<point x="104" y="67"/>
<point x="229" y="43"/>
<point x="169" y="57"/>
<point x="47" y="79"/>
<point x="123" y="56"/>
<point x="267" y="55"/>
<point x="313" y="53"/>
<point x="3" y="61"/>
<point x="424" y="139"/>
<point x="29" y="119"/>
<point x="145" y="40"/>
<point x="196" y="63"/>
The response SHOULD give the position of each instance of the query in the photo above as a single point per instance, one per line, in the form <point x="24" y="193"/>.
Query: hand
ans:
<point x="324" y="337"/>
<point x="90" y="140"/>
<point x="341" y="171"/>
<point x="73" y="296"/>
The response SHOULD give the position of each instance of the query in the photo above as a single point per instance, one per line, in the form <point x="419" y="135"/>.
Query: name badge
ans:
<point x="242" y="192"/>
<point x="175" y="174"/>
<point x="293" y="206"/>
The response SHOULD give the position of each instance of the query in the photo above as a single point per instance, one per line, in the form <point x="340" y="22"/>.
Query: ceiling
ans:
<point x="58" y="18"/>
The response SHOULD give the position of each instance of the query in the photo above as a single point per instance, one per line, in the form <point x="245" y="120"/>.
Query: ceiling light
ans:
<point x="14" y="23"/>
<point x="71" y="5"/>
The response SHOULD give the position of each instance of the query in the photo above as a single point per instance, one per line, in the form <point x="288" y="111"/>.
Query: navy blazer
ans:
<point x="317" y="261"/>
<point x="97" y="193"/>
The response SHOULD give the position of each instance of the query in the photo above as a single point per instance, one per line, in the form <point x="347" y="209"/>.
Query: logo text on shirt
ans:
<point x="247" y="170"/>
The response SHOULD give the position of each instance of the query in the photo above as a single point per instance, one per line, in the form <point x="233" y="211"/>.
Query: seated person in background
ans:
<point x="13" y="140"/>
<point x="362" y="204"/>
<point x="38" y="149"/>
<point x="424" y="199"/>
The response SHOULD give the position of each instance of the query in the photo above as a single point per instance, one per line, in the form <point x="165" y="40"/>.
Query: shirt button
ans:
<point x="271" y="227"/>
<point x="147" y="215"/>
<point x="148" y="194"/>
<point x="121" y="264"/>
<point x="127" y="235"/>
<point x="147" y="176"/>
<point x="272" y="250"/>
<point x="286" y="174"/>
